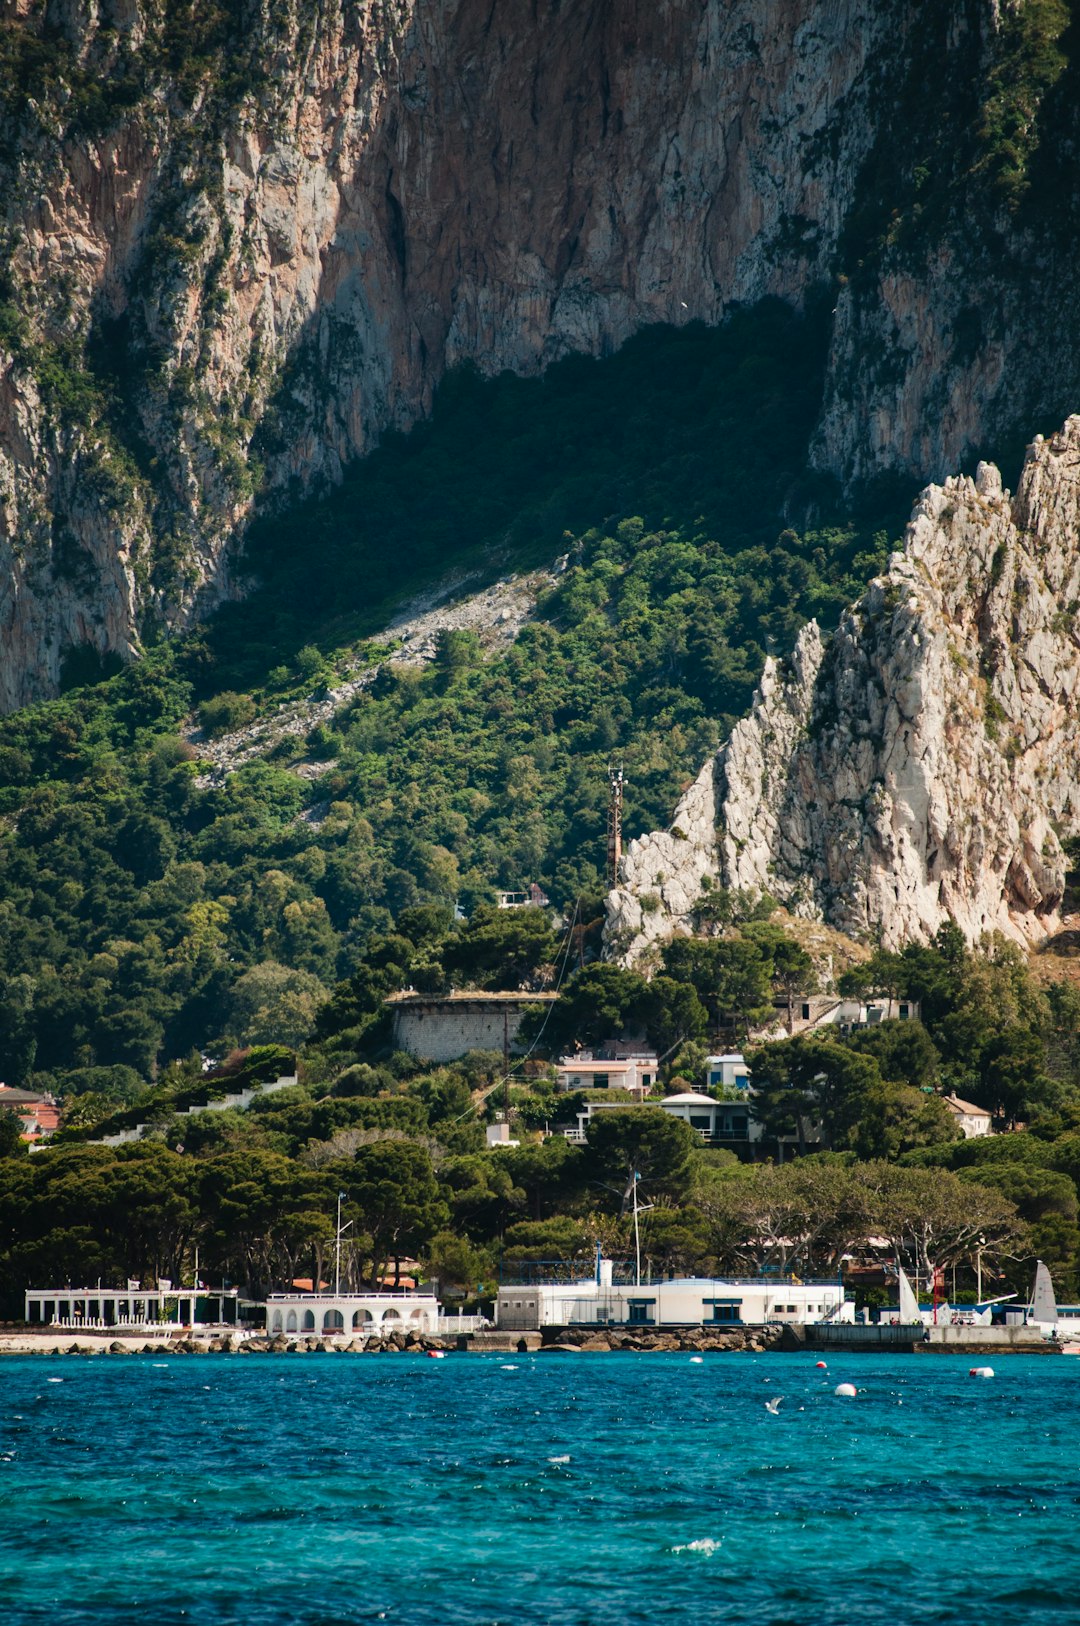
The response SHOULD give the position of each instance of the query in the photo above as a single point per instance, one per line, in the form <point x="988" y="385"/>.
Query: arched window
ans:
<point x="333" y="1321"/>
<point x="309" y="1320"/>
<point x="290" y="1321"/>
<point x="277" y="1321"/>
<point x="362" y="1318"/>
<point x="390" y="1315"/>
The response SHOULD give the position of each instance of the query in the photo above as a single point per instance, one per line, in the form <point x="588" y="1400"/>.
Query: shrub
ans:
<point x="225" y="712"/>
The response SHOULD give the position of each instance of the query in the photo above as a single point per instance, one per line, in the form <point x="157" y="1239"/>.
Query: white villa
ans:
<point x="715" y="1121"/>
<point x="689" y="1302"/>
<point x="973" y="1121"/>
<point x="719" y="1122"/>
<point x="613" y="1066"/>
<point x="326" y="1315"/>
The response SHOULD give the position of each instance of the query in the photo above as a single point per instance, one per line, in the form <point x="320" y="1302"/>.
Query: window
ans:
<point x="904" y="1012"/>
<point x="600" y="1081"/>
<point x="806" y="1012"/>
<point x="640" y="1310"/>
<point x="726" y="1310"/>
<point x="646" y="1080"/>
<point x="702" y="1121"/>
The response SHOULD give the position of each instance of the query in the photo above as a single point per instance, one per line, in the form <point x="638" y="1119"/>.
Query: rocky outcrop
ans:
<point x="921" y="765"/>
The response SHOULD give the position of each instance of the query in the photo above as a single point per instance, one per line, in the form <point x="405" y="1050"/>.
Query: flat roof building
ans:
<point x="138" y="1308"/>
<point x="692" y="1301"/>
<point x="330" y="1315"/>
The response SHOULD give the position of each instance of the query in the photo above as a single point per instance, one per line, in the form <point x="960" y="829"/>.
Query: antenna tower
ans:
<point x="614" y="823"/>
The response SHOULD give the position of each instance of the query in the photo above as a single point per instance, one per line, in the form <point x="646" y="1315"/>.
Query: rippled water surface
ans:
<point x="322" y="1489"/>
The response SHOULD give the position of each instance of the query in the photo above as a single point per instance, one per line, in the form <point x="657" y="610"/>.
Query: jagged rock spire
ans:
<point x="924" y="763"/>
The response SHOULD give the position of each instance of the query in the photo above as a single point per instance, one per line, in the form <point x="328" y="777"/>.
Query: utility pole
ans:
<point x="614" y="823"/>
<point x="338" y="1234"/>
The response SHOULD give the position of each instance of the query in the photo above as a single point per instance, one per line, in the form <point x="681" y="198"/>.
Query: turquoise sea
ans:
<point x="323" y="1489"/>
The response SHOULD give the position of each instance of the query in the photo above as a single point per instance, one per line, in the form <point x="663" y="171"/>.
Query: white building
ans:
<point x="817" y="1011"/>
<point x="233" y="1100"/>
<point x="689" y="1302"/>
<point x="534" y="898"/>
<point x="578" y="1135"/>
<point x="498" y="1135"/>
<point x="727" y="1075"/>
<point x="133" y="1308"/>
<point x="974" y="1122"/>
<point x="613" y="1066"/>
<point x="718" y="1122"/>
<point x="352" y="1315"/>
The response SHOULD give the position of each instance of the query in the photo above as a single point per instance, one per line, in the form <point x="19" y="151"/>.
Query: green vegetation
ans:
<point x="143" y="914"/>
<point x="971" y="138"/>
<point x="255" y="1190"/>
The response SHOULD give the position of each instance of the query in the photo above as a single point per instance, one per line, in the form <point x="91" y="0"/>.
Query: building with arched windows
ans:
<point x="350" y="1315"/>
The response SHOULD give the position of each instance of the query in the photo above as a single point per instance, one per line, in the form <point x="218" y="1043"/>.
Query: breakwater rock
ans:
<point x="575" y="1340"/>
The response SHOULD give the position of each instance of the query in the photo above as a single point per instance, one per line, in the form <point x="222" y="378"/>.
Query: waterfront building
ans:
<point x="689" y="1301"/>
<point x="356" y="1315"/>
<point x="133" y="1308"/>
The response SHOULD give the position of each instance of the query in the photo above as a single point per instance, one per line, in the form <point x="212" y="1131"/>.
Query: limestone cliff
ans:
<point x="921" y="765"/>
<point x="241" y="239"/>
<point x="270" y="233"/>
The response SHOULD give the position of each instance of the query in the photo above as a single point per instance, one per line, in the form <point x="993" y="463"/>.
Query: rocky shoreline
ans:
<point x="553" y="1340"/>
<point x="749" y="1340"/>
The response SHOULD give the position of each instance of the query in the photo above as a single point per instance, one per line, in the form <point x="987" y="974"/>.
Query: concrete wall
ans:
<point x="445" y="1035"/>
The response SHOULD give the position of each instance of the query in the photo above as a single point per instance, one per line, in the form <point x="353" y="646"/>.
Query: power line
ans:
<point x="565" y="952"/>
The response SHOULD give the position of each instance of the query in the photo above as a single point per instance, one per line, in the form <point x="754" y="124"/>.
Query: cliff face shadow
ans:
<point x="699" y="429"/>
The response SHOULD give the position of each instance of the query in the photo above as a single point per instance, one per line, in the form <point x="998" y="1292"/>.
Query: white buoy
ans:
<point x="846" y="1391"/>
<point x="696" y="1360"/>
<point x="981" y="1372"/>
